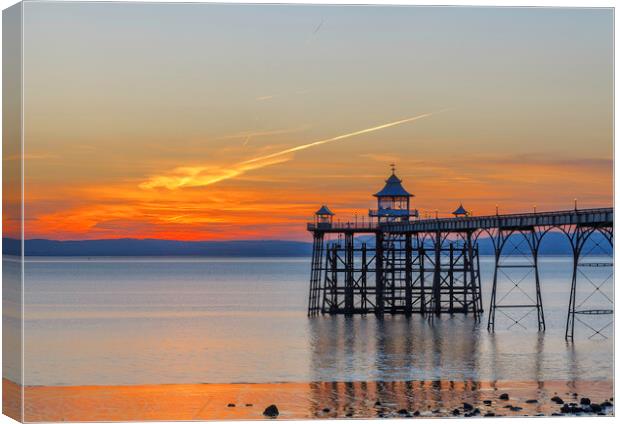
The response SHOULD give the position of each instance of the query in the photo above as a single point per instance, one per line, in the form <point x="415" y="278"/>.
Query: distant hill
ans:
<point x="553" y="244"/>
<point x="154" y="247"/>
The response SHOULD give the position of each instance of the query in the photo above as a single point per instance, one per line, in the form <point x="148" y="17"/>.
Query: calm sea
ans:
<point x="170" y="320"/>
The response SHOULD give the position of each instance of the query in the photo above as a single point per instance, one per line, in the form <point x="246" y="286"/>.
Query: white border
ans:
<point x="504" y="3"/>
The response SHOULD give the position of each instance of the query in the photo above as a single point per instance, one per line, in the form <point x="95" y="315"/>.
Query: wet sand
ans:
<point x="297" y="400"/>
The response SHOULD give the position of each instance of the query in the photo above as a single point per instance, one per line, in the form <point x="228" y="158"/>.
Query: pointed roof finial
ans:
<point x="393" y="166"/>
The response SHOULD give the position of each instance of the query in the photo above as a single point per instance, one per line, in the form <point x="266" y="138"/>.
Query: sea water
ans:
<point x="118" y="321"/>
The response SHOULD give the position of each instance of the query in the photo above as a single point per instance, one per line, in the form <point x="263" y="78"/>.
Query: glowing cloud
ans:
<point x="207" y="175"/>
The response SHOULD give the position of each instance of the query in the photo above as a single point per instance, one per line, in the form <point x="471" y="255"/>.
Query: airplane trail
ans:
<point x="200" y="176"/>
<point x="337" y="138"/>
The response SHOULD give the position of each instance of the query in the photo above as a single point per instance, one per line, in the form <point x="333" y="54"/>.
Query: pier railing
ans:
<point x="344" y="226"/>
<point x="522" y="220"/>
<point x="602" y="216"/>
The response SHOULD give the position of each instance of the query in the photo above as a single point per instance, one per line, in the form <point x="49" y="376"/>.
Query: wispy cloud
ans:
<point x="274" y="96"/>
<point x="206" y="175"/>
<point x="30" y="157"/>
<point x="199" y="176"/>
<point x="248" y="135"/>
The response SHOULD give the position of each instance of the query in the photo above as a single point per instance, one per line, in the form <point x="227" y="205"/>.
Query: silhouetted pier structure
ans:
<point x="395" y="263"/>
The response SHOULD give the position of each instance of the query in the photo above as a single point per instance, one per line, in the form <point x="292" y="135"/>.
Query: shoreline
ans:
<point x="306" y="400"/>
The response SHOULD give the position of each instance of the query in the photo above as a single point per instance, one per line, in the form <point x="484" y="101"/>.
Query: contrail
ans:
<point x="203" y="176"/>
<point x="339" y="137"/>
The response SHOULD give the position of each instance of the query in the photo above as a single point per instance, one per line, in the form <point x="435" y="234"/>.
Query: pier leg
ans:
<point x="474" y="274"/>
<point x="408" y="276"/>
<point x="570" y="318"/>
<point x="491" y="322"/>
<point x="539" y="305"/>
<point x="451" y="280"/>
<point x="422" y="253"/>
<point x="348" y="291"/>
<point x="364" y="276"/>
<point x="478" y="281"/>
<point x="316" y="274"/>
<point x="379" y="277"/>
<point x="437" y="275"/>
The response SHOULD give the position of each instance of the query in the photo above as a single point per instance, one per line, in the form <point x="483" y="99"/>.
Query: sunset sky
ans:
<point x="185" y="121"/>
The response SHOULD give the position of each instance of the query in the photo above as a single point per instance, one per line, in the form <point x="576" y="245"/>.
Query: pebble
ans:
<point x="467" y="406"/>
<point x="416" y="414"/>
<point x="515" y="408"/>
<point x="456" y="412"/>
<point x="504" y="396"/>
<point x="557" y="400"/>
<point x="531" y="401"/>
<point x="249" y="404"/>
<point x="231" y="405"/>
<point x="489" y="414"/>
<point x="585" y="401"/>
<point x="487" y="402"/>
<point x="571" y="409"/>
<point x="595" y="407"/>
<point x="271" y="411"/>
<point x="326" y="409"/>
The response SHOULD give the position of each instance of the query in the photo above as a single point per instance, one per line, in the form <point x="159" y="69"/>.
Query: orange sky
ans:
<point x="238" y="122"/>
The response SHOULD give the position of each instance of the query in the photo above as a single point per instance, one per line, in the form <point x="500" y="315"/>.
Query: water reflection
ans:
<point x="397" y="348"/>
<point x="368" y="399"/>
<point x="421" y="366"/>
<point x="394" y="348"/>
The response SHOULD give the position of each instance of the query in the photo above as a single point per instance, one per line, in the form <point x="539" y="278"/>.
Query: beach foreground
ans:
<point x="303" y="400"/>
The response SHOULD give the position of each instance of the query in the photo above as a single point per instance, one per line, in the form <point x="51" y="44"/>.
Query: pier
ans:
<point x="396" y="263"/>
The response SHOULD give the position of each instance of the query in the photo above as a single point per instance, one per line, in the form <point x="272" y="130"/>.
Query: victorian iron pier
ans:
<point x="394" y="262"/>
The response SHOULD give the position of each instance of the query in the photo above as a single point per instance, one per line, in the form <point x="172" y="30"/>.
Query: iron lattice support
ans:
<point x="516" y="272"/>
<point x="432" y="267"/>
<point x="403" y="264"/>
<point x="314" y="296"/>
<point x="592" y="265"/>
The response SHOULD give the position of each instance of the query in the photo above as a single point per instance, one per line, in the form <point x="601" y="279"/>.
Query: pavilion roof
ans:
<point x="460" y="210"/>
<point x="393" y="188"/>
<point x="324" y="211"/>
